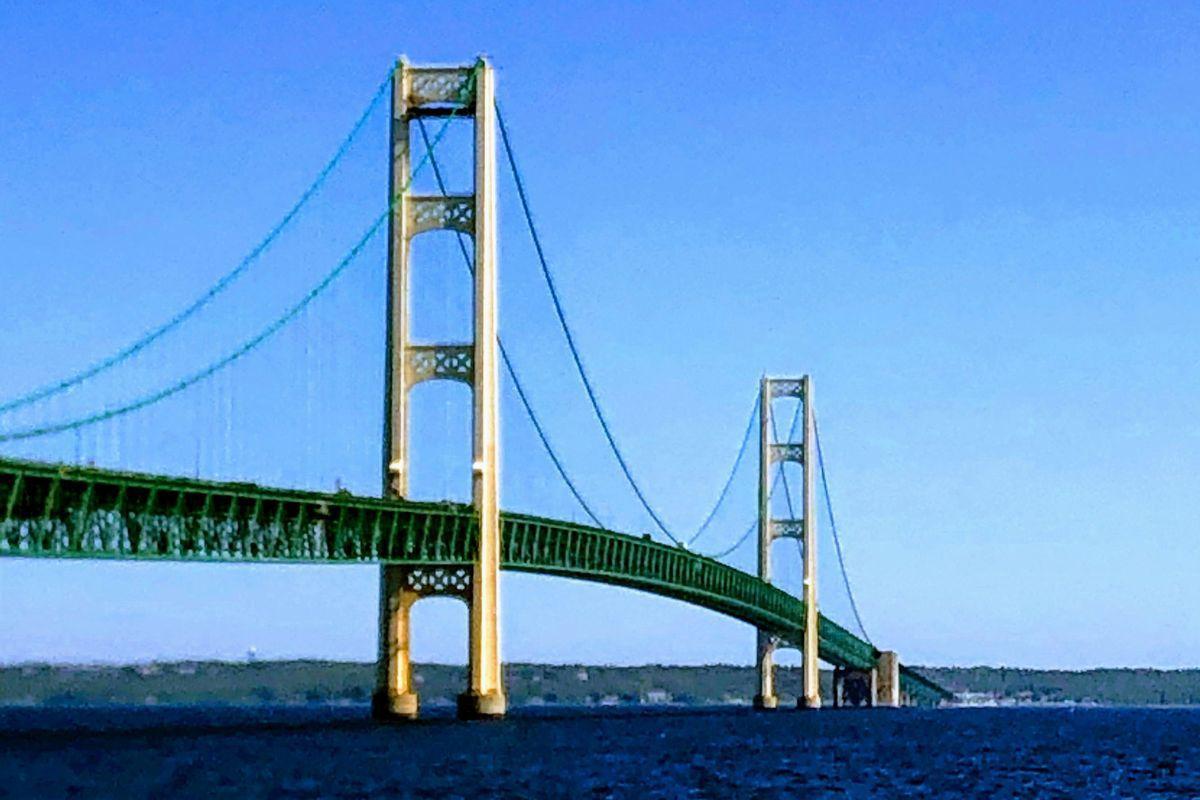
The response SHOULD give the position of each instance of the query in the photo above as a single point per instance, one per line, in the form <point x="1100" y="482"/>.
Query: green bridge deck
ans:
<point x="53" y="511"/>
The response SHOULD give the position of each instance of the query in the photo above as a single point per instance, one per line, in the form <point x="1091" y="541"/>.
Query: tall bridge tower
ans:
<point x="442" y="92"/>
<point x="770" y="528"/>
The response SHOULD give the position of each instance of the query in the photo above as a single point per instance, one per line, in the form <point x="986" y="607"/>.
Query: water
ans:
<point x="327" y="752"/>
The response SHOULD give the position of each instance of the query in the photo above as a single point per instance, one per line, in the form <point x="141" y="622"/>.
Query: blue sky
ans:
<point x="976" y="227"/>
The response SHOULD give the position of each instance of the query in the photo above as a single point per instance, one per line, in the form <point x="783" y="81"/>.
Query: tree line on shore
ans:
<point x="300" y="682"/>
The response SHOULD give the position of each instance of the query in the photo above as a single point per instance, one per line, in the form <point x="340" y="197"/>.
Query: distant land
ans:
<point x="331" y="682"/>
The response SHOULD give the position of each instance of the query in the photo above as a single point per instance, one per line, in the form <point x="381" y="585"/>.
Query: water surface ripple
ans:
<point x="335" y="753"/>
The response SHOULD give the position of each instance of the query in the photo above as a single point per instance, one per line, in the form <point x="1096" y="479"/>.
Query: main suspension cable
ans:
<point x="783" y="474"/>
<point x="562" y="319"/>
<point x="253" y="343"/>
<point x="217" y="288"/>
<point x="741" y="540"/>
<point x="837" y="542"/>
<point x="732" y="473"/>
<point x="770" y="492"/>
<point x="512" y="371"/>
<point x="787" y="492"/>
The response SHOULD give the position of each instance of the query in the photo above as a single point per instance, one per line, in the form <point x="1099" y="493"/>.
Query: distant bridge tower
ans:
<point x="439" y="92"/>
<point x="770" y="528"/>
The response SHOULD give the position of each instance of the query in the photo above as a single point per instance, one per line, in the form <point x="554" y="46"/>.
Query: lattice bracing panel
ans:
<point x="439" y="212"/>
<point x="786" y="387"/>
<point x="454" y="362"/>
<point x="787" y="644"/>
<point x="787" y="528"/>
<point x="430" y="581"/>
<point x="435" y="85"/>
<point x="787" y="452"/>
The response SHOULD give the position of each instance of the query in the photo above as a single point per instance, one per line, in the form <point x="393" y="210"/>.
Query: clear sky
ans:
<point x="976" y="227"/>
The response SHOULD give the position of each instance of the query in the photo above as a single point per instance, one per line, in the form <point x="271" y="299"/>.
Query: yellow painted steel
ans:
<point x="811" y="681"/>
<point x="470" y="91"/>
<point x="765" y="698"/>
<point x="485" y="696"/>
<point x="394" y="695"/>
<point x="770" y="529"/>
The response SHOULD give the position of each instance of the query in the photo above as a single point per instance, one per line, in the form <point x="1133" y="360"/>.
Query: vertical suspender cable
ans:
<point x="771" y="493"/>
<point x="787" y="492"/>
<point x="252" y="344"/>
<point x="562" y="319"/>
<point x="732" y="472"/>
<point x="217" y="288"/>
<point x="837" y="542"/>
<point x="512" y="371"/>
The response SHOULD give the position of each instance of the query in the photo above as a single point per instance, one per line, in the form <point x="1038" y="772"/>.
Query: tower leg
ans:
<point x="485" y="695"/>
<point x="394" y="697"/>
<point x="811" y="695"/>
<point x="766" y="698"/>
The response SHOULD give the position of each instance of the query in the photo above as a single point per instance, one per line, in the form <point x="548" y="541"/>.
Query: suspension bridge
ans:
<point x="60" y="502"/>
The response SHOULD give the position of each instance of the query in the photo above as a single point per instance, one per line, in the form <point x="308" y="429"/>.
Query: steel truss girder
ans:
<point x="53" y="511"/>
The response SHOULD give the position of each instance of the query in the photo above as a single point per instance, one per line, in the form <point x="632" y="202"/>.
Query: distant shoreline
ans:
<point x="313" y="682"/>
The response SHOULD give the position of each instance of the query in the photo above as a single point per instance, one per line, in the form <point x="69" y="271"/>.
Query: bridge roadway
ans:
<point x="57" y="511"/>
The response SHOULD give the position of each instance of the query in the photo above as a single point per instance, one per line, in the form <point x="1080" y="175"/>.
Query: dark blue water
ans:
<point x="309" y="753"/>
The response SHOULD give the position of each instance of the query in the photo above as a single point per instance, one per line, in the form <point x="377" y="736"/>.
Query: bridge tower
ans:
<point x="469" y="92"/>
<point x="770" y="453"/>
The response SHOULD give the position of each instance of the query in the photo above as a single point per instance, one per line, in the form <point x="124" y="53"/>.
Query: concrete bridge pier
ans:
<point x="887" y="679"/>
<point x="853" y="688"/>
<point x="877" y="687"/>
<point x="394" y="696"/>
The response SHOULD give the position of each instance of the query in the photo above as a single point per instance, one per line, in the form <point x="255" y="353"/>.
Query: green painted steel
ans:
<point x="53" y="511"/>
